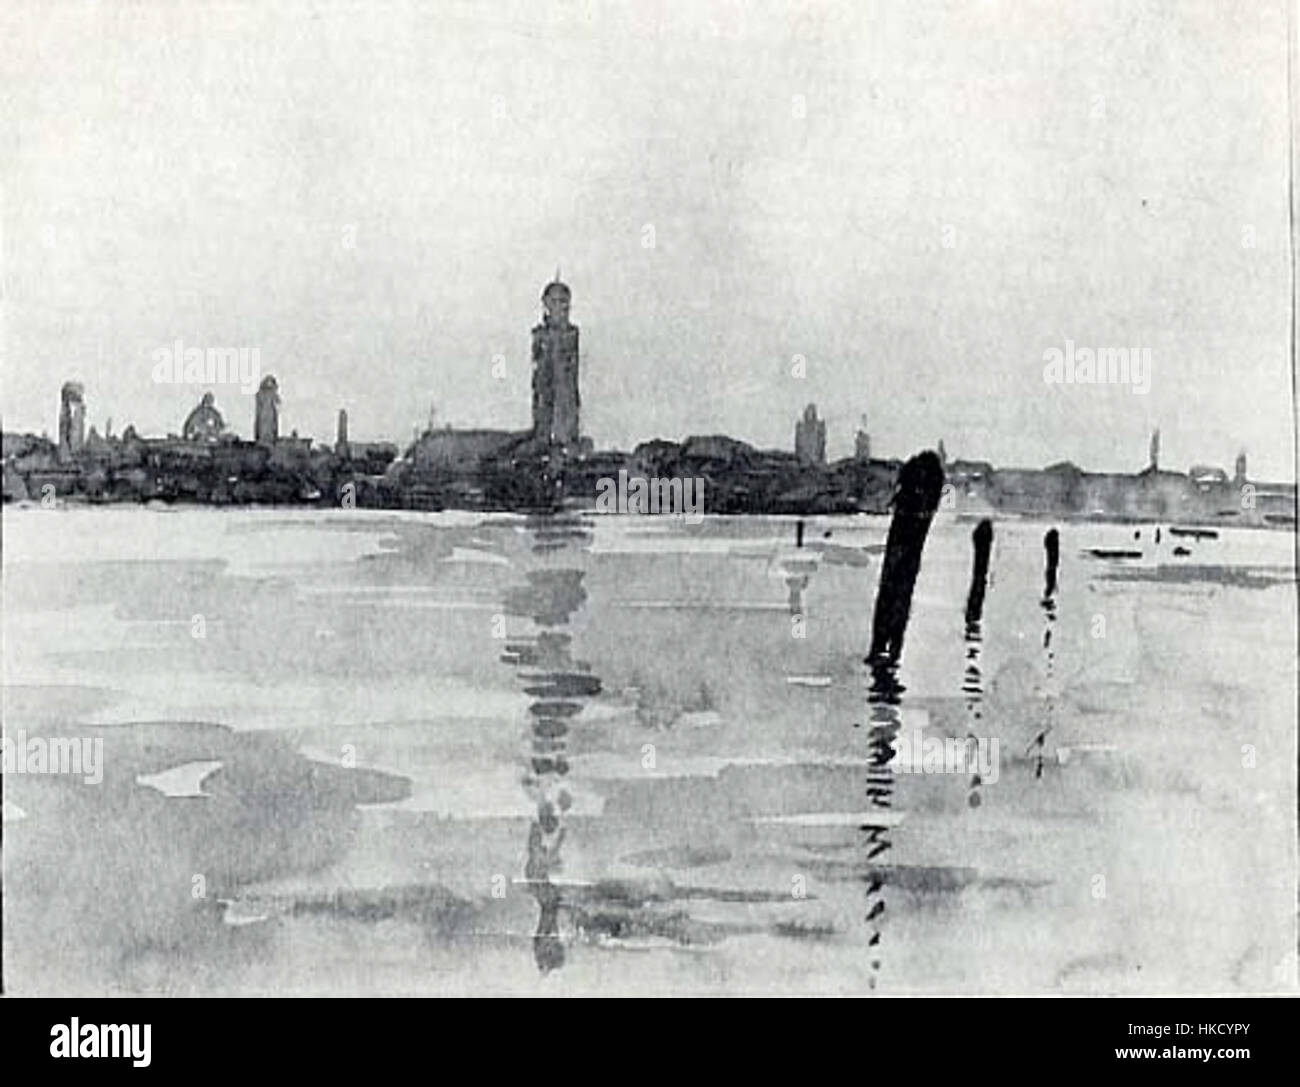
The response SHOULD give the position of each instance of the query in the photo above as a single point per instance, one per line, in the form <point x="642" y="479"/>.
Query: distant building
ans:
<point x="72" y="421"/>
<point x="266" y="418"/>
<point x="97" y="447"/>
<point x="372" y="457"/>
<point x="1207" y="475"/>
<point x="443" y="454"/>
<point x="969" y="473"/>
<point x="449" y="452"/>
<point x="556" y="401"/>
<point x="862" y="443"/>
<point x="810" y="437"/>
<point x="1239" y="476"/>
<point x="204" y="423"/>
<point x="717" y="447"/>
<point x="341" y="438"/>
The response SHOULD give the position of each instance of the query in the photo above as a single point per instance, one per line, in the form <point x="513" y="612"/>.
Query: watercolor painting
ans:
<point x="479" y="516"/>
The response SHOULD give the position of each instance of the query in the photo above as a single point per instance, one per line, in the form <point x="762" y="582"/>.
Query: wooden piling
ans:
<point x="1052" y="545"/>
<point x="920" y="483"/>
<point x="982" y="541"/>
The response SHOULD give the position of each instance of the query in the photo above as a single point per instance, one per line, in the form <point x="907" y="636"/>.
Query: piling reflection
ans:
<point x="1052" y="553"/>
<point x="972" y="684"/>
<point x="972" y="687"/>
<point x="916" y="498"/>
<point x="559" y="686"/>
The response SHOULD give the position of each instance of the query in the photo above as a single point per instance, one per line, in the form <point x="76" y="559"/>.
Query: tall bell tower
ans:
<point x="556" y="402"/>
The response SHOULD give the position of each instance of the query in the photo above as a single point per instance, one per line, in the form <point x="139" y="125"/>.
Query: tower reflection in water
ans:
<point x="559" y="686"/>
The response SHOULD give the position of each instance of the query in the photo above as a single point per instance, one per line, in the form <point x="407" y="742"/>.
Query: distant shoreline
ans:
<point x="516" y="473"/>
<point x="81" y="502"/>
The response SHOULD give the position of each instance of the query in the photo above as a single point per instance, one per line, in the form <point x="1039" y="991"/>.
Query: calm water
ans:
<point x="385" y="753"/>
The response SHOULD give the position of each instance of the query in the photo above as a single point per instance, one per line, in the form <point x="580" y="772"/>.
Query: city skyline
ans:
<point x="223" y="361"/>
<point x="888" y="222"/>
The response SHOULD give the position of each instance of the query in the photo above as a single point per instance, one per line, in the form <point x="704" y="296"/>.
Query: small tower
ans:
<point x="1239" y="476"/>
<point x="341" y="438"/>
<point x="810" y="437"/>
<point x="862" y="443"/>
<point x="266" y="420"/>
<point x="72" y="421"/>
<point x="556" y="401"/>
<point x="1154" y="452"/>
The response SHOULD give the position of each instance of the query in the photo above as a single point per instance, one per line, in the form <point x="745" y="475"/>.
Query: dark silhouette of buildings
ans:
<point x="504" y="468"/>
<point x="551" y="464"/>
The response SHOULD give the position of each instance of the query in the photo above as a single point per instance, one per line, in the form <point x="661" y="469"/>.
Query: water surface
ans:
<point x="367" y="752"/>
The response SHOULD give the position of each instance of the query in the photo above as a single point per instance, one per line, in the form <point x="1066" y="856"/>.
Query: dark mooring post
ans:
<point x="920" y="483"/>
<point x="1051" y="545"/>
<point x="982" y="540"/>
<point x="798" y="533"/>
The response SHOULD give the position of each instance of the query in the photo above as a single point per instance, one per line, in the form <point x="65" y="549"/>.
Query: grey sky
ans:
<point x="374" y="194"/>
